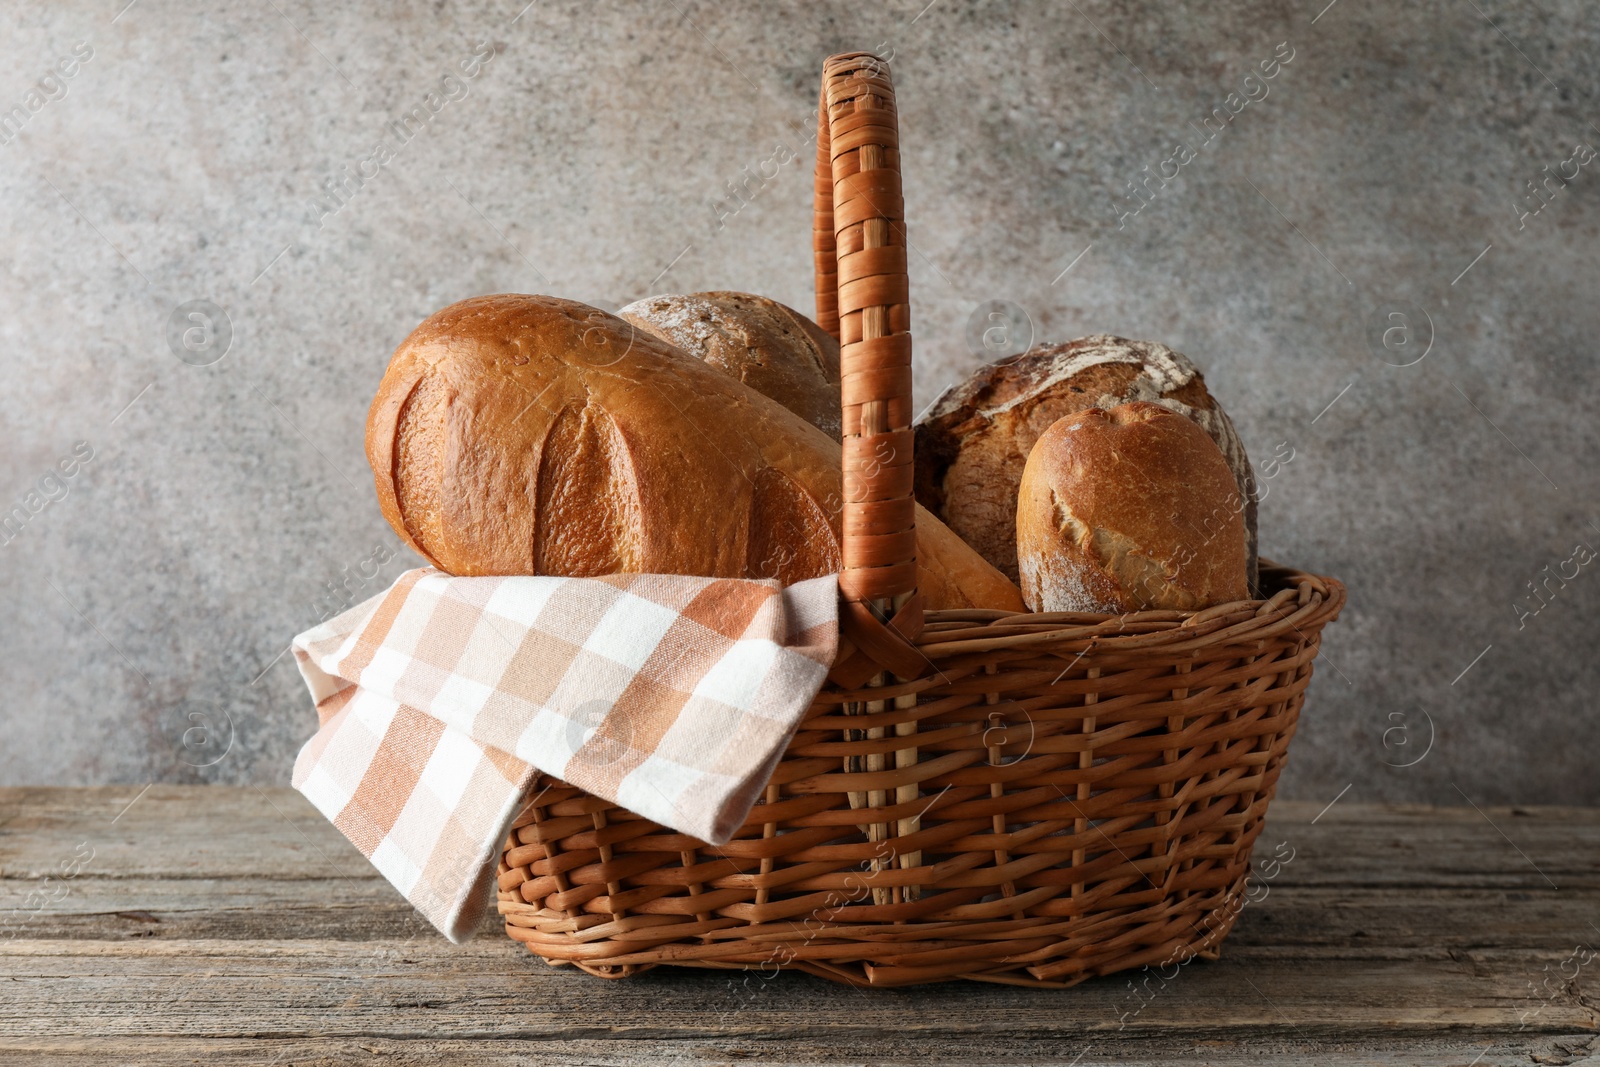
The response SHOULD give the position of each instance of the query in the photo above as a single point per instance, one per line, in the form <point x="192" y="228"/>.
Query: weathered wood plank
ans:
<point x="423" y="988"/>
<point x="115" y="909"/>
<point x="269" y="858"/>
<point x="185" y="831"/>
<point x="911" y="1051"/>
<point x="174" y="832"/>
<point x="1370" y="846"/>
<point x="1307" y="920"/>
<point x="238" y="916"/>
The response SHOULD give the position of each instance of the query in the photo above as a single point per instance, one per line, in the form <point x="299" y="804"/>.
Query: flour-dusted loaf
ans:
<point x="1128" y="510"/>
<point x="768" y="346"/>
<point x="530" y="435"/>
<point x="973" y="442"/>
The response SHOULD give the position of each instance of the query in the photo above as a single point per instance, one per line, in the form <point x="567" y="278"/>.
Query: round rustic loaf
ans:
<point x="1128" y="510"/>
<point x="529" y="435"/>
<point x="973" y="442"/>
<point x="768" y="346"/>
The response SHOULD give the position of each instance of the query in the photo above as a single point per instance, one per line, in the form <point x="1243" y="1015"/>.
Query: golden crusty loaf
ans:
<point x="1128" y="510"/>
<point x="529" y="435"/>
<point x="768" y="346"/>
<point x="972" y="443"/>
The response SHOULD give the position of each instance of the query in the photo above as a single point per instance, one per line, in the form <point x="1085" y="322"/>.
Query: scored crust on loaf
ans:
<point x="768" y="346"/>
<point x="1065" y="575"/>
<point x="1074" y="572"/>
<point x="529" y="435"/>
<point x="1125" y="510"/>
<point x="974" y="440"/>
<point x="588" y="495"/>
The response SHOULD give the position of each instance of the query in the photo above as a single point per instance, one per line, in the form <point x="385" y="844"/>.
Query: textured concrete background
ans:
<point x="148" y="601"/>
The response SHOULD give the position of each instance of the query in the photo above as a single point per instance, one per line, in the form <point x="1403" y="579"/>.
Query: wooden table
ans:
<point x="233" y="925"/>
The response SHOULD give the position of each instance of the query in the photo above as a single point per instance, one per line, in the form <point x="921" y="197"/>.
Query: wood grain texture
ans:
<point x="236" y="926"/>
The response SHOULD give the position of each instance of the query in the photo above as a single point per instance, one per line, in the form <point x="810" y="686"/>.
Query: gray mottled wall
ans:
<point x="1377" y="173"/>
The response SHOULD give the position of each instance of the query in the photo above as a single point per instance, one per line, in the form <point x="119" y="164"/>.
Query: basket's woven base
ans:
<point x="1064" y="796"/>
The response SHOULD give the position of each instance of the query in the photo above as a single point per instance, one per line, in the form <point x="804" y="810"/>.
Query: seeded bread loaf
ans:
<point x="529" y="435"/>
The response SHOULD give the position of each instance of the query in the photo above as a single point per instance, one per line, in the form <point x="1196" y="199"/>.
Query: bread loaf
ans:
<point x="768" y="346"/>
<point x="530" y="435"/>
<point x="1128" y="510"/>
<point x="973" y="442"/>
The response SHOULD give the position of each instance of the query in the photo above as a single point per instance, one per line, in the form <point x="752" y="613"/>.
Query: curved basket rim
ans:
<point x="1302" y="599"/>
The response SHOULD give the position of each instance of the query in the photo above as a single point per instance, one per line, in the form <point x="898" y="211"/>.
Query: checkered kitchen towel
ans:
<point x="440" y="699"/>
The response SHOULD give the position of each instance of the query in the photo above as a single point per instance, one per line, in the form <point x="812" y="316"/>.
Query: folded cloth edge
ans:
<point x="452" y="888"/>
<point x="443" y="858"/>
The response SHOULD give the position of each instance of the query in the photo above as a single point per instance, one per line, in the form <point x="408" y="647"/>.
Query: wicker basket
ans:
<point x="1020" y="798"/>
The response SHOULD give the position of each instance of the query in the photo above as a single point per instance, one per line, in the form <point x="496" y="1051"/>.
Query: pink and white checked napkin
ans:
<point x="441" y="698"/>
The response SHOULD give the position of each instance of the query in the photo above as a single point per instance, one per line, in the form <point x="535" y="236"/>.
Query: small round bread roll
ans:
<point x="768" y="346"/>
<point x="1129" y="509"/>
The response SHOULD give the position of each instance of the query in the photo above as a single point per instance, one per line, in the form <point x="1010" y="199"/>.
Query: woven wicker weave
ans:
<point x="1026" y="798"/>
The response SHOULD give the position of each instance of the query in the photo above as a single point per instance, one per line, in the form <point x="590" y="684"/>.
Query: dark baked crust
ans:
<point x="974" y="441"/>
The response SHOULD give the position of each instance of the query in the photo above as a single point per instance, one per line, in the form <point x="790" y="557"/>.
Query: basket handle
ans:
<point x="863" y="299"/>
